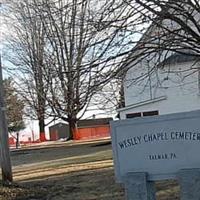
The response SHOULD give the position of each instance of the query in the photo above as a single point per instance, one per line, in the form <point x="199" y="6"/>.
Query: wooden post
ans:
<point x="4" y="145"/>
<point x="137" y="187"/>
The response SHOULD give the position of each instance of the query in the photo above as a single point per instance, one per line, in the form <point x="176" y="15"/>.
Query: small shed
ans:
<point x="92" y="128"/>
<point x="59" y="131"/>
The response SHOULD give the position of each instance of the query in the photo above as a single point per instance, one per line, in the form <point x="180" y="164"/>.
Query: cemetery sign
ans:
<point x="158" y="145"/>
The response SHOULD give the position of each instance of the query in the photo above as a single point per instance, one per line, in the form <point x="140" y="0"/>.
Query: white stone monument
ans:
<point x="157" y="148"/>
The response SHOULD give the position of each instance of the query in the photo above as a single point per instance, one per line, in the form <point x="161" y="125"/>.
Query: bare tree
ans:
<point x="68" y="50"/>
<point x="174" y="25"/>
<point x="88" y="41"/>
<point x="27" y="46"/>
<point x="171" y="32"/>
<point x="110" y="98"/>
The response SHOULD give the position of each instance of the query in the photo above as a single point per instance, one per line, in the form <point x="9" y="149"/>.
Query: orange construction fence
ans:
<point x="42" y="137"/>
<point x="11" y="141"/>
<point x="92" y="132"/>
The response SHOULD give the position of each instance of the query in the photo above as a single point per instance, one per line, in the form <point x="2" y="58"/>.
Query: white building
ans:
<point x="173" y="87"/>
<point x="163" y="82"/>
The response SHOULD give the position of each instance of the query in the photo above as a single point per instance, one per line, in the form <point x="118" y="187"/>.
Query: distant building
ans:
<point x="86" y="129"/>
<point x="59" y="131"/>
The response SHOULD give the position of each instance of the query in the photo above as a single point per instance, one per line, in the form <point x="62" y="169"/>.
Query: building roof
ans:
<point x="93" y="122"/>
<point x="84" y="123"/>
<point x="176" y="58"/>
<point x="180" y="56"/>
<point x="58" y="125"/>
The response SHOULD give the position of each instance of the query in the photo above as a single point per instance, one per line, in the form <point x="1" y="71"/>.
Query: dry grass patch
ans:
<point x="70" y="172"/>
<point x="59" y="170"/>
<point x="168" y="190"/>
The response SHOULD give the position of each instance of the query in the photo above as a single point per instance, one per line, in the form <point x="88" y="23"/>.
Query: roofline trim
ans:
<point x="142" y="103"/>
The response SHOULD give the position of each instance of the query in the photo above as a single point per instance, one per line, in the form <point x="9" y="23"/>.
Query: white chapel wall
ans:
<point x="179" y="83"/>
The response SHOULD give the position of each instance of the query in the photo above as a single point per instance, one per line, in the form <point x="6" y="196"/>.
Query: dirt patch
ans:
<point x="20" y="192"/>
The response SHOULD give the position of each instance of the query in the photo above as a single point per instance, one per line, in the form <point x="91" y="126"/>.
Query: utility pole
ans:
<point x="5" y="161"/>
<point x="6" y="168"/>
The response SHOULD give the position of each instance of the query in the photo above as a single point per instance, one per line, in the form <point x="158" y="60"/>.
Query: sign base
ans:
<point x="137" y="186"/>
<point x="189" y="180"/>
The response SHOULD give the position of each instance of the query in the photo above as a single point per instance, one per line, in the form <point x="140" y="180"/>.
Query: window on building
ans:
<point x="142" y="114"/>
<point x="133" y="115"/>
<point x="150" y="113"/>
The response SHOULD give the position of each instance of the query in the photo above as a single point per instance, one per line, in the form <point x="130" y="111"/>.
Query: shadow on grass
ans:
<point x="31" y="156"/>
<point x="98" y="184"/>
<point x="102" y="144"/>
<point x="80" y="172"/>
<point x="22" y="192"/>
<point x="82" y="185"/>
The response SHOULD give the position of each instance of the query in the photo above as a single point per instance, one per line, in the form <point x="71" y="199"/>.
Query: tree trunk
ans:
<point x="42" y="130"/>
<point x="6" y="167"/>
<point x="17" y="141"/>
<point x="72" y="128"/>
